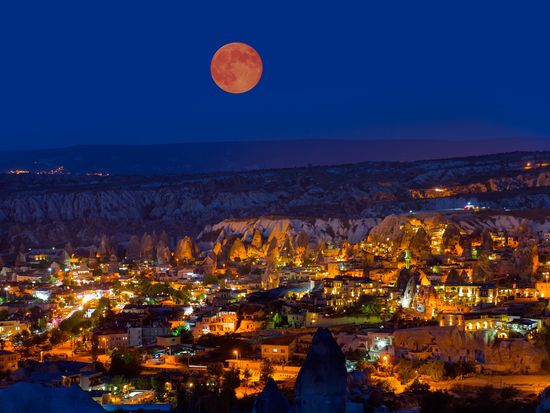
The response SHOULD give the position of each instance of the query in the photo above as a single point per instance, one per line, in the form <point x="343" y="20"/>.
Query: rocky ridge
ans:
<point x="56" y="209"/>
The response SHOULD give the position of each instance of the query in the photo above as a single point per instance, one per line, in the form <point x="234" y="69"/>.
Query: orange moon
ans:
<point x="236" y="67"/>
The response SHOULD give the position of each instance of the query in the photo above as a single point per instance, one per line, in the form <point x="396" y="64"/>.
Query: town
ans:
<point x="426" y="301"/>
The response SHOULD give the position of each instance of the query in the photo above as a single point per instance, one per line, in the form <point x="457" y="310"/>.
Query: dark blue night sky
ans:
<point x="130" y="72"/>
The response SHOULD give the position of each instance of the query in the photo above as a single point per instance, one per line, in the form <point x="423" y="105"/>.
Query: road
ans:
<point x="533" y="383"/>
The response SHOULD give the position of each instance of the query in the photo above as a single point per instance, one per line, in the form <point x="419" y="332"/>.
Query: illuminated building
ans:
<point x="8" y="361"/>
<point x="223" y="322"/>
<point x="278" y="349"/>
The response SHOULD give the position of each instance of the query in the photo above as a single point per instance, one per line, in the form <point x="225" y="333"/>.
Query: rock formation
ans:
<point x="147" y="247"/>
<point x="255" y="248"/>
<point x="163" y="252"/>
<point x="271" y="400"/>
<point x="410" y="291"/>
<point x="270" y="278"/>
<point x="321" y="383"/>
<point x="516" y="356"/>
<point x="134" y="248"/>
<point x="79" y="210"/>
<point x="420" y="246"/>
<point x="544" y="401"/>
<point x="403" y="279"/>
<point x="27" y="397"/>
<point x="185" y="250"/>
<point x="237" y="251"/>
<point x="450" y="240"/>
<point x="257" y="241"/>
<point x="453" y="343"/>
<point x="210" y="263"/>
<point x="526" y="258"/>
<point x="454" y="277"/>
<point x="483" y="269"/>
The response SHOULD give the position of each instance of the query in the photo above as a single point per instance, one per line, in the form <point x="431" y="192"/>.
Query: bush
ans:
<point x="436" y="402"/>
<point x="266" y="370"/>
<point x="459" y="369"/>
<point x="435" y="369"/>
<point x="418" y="387"/>
<point x="405" y="370"/>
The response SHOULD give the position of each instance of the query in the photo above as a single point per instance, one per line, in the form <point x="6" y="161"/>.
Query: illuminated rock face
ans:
<point x="257" y="241"/>
<point x="237" y="251"/>
<point x="452" y="343"/>
<point x="321" y="383"/>
<point x="185" y="250"/>
<point x="261" y="232"/>
<point x="270" y="279"/>
<point x="271" y="400"/>
<point x="514" y="356"/>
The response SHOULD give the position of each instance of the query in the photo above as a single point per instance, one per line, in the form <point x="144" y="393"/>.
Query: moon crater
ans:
<point x="236" y="67"/>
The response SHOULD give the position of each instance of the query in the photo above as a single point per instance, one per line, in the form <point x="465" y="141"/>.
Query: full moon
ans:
<point x="236" y="67"/>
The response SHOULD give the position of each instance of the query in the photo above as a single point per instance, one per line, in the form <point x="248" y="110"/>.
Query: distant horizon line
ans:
<point x="282" y="140"/>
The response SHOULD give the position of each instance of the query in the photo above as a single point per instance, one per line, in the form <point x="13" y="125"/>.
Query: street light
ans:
<point x="236" y="353"/>
<point x="385" y="361"/>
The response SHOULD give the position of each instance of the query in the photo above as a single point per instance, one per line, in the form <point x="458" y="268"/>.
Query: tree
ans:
<point x="418" y="387"/>
<point x="102" y="312"/>
<point x="370" y="305"/>
<point x="74" y="323"/>
<point x="57" y="336"/>
<point x="210" y="279"/>
<point x="434" y="368"/>
<point x="355" y="355"/>
<point x="125" y="362"/>
<point x="215" y="370"/>
<point x="158" y="383"/>
<point x="247" y="375"/>
<point x="186" y="336"/>
<point x="266" y="370"/>
<point x="459" y="368"/>
<point x="405" y="370"/>
<point x="94" y="351"/>
<point x="231" y="380"/>
<point x="277" y="319"/>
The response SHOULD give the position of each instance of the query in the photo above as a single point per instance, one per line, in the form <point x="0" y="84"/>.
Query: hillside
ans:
<point x="56" y="208"/>
<point x="208" y="157"/>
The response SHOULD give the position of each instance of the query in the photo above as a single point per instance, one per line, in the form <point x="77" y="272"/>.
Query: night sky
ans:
<point x="135" y="72"/>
